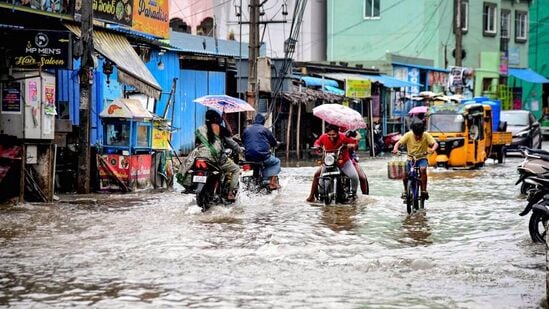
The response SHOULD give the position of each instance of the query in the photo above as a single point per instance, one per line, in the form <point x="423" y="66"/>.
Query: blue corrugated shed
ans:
<point x="191" y="115"/>
<point x="198" y="44"/>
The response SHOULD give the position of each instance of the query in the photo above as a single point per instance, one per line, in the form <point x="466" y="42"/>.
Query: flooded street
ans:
<point x="470" y="248"/>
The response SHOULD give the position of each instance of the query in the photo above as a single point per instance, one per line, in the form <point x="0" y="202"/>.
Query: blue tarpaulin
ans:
<point x="391" y="82"/>
<point x="528" y="75"/>
<point x="316" y="81"/>
<point x="334" y="90"/>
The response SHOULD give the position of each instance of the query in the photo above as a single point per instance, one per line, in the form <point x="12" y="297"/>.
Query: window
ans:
<point x="521" y="24"/>
<point x="489" y="19"/>
<point x="371" y="8"/>
<point x="117" y="134"/>
<point x="505" y="24"/>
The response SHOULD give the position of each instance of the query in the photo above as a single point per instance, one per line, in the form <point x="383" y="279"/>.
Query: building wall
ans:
<point x="410" y="28"/>
<point x="311" y="41"/>
<point x="414" y="28"/>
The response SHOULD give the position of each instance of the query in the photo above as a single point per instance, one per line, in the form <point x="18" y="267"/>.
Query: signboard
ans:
<point x="160" y="139"/>
<point x="358" y="88"/>
<point x="151" y="16"/>
<point x="11" y="98"/>
<point x="503" y="63"/>
<point x="39" y="48"/>
<point x="117" y="11"/>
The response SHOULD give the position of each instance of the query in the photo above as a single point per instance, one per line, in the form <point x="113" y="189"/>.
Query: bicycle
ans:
<point x="414" y="199"/>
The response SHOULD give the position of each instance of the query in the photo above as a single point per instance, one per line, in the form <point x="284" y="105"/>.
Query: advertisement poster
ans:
<point x="33" y="92"/>
<point x="151" y="16"/>
<point x="11" y="98"/>
<point x="49" y="108"/>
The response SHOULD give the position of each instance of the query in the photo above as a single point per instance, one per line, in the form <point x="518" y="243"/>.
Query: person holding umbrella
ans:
<point x="331" y="140"/>
<point x="211" y="140"/>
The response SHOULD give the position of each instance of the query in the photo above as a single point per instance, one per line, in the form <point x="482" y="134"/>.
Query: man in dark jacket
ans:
<point x="258" y="141"/>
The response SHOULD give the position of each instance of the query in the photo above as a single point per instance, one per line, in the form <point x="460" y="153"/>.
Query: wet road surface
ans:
<point x="470" y="248"/>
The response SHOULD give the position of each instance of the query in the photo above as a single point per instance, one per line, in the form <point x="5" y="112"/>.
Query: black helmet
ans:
<point x="213" y="117"/>
<point x="417" y="127"/>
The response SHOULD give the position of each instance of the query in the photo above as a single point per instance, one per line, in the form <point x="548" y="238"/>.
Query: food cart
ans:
<point x="124" y="158"/>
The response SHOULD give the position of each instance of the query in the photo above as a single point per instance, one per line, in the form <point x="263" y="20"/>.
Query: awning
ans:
<point x="131" y="69"/>
<point x="387" y="81"/>
<point x="528" y="75"/>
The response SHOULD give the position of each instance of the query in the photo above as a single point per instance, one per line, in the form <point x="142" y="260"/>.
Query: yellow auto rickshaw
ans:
<point x="463" y="132"/>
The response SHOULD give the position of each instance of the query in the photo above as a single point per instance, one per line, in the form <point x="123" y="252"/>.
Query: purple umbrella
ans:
<point x="225" y="103"/>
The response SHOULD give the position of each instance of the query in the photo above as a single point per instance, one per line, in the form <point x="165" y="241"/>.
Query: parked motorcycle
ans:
<point x="208" y="183"/>
<point x="333" y="186"/>
<point x="535" y="163"/>
<point x="534" y="180"/>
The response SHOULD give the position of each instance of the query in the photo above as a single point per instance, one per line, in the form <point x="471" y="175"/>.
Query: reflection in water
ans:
<point x="160" y="250"/>
<point x="339" y="218"/>
<point x="416" y="229"/>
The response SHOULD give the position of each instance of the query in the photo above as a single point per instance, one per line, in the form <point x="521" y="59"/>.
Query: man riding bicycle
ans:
<point x="419" y="144"/>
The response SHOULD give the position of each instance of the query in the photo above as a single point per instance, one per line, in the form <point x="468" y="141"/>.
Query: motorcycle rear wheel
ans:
<point x="202" y="199"/>
<point x="536" y="227"/>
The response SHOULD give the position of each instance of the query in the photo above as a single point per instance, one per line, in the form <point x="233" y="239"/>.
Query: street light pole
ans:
<point x="253" y="53"/>
<point x="86" y="81"/>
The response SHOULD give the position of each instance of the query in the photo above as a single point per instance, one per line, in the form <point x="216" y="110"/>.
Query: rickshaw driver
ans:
<point x="418" y="143"/>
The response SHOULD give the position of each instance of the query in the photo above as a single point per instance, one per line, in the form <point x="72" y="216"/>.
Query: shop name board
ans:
<point x="152" y="16"/>
<point x="358" y="88"/>
<point x="117" y="11"/>
<point x="46" y="49"/>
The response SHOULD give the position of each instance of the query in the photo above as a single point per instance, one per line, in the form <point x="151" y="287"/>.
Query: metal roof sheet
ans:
<point x="186" y="42"/>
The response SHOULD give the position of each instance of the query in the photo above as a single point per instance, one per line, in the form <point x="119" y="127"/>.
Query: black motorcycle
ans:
<point x="208" y="183"/>
<point x="252" y="177"/>
<point x="538" y="202"/>
<point x="534" y="180"/>
<point x="334" y="186"/>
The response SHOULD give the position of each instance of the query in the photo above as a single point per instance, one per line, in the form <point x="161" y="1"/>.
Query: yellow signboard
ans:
<point x="358" y="88"/>
<point x="160" y="139"/>
<point x="152" y="16"/>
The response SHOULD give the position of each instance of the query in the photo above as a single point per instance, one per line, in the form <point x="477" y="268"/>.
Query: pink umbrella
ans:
<point x="340" y="115"/>
<point x="418" y="110"/>
<point x="225" y="103"/>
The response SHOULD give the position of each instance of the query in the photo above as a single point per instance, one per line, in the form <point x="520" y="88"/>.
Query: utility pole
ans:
<point x="86" y="80"/>
<point x="459" y="35"/>
<point x="253" y="53"/>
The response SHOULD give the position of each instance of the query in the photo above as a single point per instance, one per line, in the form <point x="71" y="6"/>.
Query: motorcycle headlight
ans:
<point x="329" y="159"/>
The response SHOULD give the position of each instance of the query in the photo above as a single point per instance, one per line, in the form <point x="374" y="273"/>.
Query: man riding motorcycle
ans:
<point x="258" y="141"/>
<point x="332" y="140"/>
<point x="211" y="140"/>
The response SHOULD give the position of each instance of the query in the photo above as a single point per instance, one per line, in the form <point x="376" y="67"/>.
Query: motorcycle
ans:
<point x="208" y="183"/>
<point x="534" y="176"/>
<point x="333" y="185"/>
<point x="535" y="163"/>
<point x="252" y="177"/>
<point x="386" y="142"/>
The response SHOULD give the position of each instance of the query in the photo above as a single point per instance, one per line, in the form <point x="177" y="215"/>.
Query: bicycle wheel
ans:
<point x="416" y="195"/>
<point x="409" y="196"/>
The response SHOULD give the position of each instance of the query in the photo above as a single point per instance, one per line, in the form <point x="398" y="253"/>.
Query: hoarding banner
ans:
<point x="117" y="11"/>
<point x="151" y="16"/>
<point x="39" y="48"/>
<point x="358" y="88"/>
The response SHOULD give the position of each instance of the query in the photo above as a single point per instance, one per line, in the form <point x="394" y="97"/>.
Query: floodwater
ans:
<point x="469" y="248"/>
